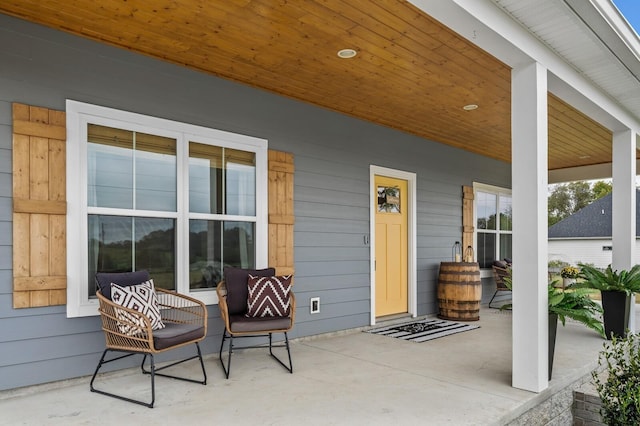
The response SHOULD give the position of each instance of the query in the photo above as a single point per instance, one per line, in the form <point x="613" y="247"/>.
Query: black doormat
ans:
<point x="422" y="331"/>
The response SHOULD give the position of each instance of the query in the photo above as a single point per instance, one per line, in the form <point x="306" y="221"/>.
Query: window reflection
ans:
<point x="240" y="188"/>
<point x="215" y="244"/>
<point x="486" y="244"/>
<point x="486" y="210"/>
<point x="125" y="244"/>
<point x="505" y="213"/>
<point x="130" y="170"/>
<point x="494" y="226"/>
<point x="205" y="178"/>
<point x="221" y="180"/>
<point x="506" y="247"/>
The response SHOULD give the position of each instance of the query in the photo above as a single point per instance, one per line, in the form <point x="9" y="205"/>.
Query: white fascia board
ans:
<point x="493" y="30"/>
<point x="619" y="24"/>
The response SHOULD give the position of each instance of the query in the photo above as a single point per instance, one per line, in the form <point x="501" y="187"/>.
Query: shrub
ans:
<point x="557" y="264"/>
<point x="619" y="384"/>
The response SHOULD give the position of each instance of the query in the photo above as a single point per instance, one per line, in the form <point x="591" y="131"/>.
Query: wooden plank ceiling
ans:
<point x="411" y="73"/>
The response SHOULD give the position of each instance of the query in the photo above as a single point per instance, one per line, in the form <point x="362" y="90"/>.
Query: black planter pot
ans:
<point x="553" y="328"/>
<point x="616" y="312"/>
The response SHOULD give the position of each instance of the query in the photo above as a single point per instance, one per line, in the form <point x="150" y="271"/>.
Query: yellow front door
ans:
<point x="391" y="246"/>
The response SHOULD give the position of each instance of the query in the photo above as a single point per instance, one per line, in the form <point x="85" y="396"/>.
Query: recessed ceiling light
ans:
<point x="347" y="53"/>
<point x="470" y="107"/>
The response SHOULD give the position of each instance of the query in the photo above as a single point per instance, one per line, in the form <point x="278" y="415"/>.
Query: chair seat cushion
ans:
<point x="174" y="334"/>
<point x="242" y="324"/>
<point x="236" y="280"/>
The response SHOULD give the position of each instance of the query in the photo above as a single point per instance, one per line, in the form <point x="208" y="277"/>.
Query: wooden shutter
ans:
<point x="467" y="217"/>
<point x="39" y="207"/>
<point x="281" y="216"/>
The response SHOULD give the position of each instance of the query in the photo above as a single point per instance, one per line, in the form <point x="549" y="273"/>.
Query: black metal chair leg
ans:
<point x="184" y="379"/>
<point x="227" y="368"/>
<point x="123" y="398"/>
<point x="153" y="372"/>
<point x="204" y="372"/>
<point x="289" y="368"/>
<point x="494" y="296"/>
<point x="153" y="379"/>
<point x="95" y="373"/>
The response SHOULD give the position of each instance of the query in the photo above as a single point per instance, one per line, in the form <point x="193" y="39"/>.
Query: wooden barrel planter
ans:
<point x="459" y="291"/>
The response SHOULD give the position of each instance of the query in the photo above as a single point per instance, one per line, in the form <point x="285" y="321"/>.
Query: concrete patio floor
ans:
<point x="352" y="378"/>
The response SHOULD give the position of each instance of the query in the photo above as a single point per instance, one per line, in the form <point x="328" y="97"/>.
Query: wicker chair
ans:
<point x="185" y="323"/>
<point x="499" y="274"/>
<point x="232" y="301"/>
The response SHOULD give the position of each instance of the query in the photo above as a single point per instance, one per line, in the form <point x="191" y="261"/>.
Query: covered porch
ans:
<point x="534" y="97"/>
<point x="349" y="377"/>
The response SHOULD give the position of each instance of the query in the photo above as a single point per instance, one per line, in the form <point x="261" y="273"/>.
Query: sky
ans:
<point x="631" y="10"/>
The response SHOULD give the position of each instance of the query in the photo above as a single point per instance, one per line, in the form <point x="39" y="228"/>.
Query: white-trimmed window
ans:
<point x="493" y="223"/>
<point x="178" y="200"/>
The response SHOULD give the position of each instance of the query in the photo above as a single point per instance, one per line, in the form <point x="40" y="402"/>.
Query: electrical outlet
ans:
<point x="314" y="305"/>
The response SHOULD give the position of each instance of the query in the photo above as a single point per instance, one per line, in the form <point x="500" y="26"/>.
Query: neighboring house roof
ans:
<point x="591" y="221"/>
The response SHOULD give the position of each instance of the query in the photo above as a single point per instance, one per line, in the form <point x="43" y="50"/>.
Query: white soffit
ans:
<point x="592" y="37"/>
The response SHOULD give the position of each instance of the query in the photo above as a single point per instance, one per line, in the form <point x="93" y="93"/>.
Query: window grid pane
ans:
<point x="155" y="173"/>
<point x="486" y="210"/>
<point x="109" y="167"/>
<point x="205" y="178"/>
<point x="494" y="222"/>
<point x="505" y="213"/>
<point x="486" y="244"/>
<point x="130" y="170"/>
<point x="240" y="182"/>
<point x="125" y="244"/>
<point x="213" y="245"/>
<point x="506" y="248"/>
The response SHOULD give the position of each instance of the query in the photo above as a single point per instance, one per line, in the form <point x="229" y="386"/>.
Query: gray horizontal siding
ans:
<point x="332" y="154"/>
<point x="34" y="314"/>
<point x="328" y="239"/>
<point x="5" y="125"/>
<point x="329" y="225"/>
<point x="5" y="177"/>
<point x="306" y="268"/>
<point x="57" y="368"/>
<point x="6" y="233"/>
<point x="5" y="257"/>
<point x="5" y="283"/>
<point x="5" y="209"/>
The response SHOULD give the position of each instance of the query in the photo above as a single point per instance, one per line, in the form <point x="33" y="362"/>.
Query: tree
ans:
<point x="601" y="188"/>
<point x="567" y="198"/>
<point x="559" y="204"/>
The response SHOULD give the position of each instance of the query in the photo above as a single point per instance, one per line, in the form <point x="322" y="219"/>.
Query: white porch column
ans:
<point x="529" y="197"/>
<point x="624" y="203"/>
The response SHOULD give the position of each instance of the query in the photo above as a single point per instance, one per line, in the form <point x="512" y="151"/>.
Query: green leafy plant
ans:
<point x="577" y="305"/>
<point x="610" y="280"/>
<point x="618" y="384"/>
<point x="574" y="303"/>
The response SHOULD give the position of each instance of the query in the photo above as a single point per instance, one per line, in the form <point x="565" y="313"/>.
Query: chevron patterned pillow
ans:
<point x="142" y="298"/>
<point x="269" y="296"/>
